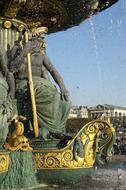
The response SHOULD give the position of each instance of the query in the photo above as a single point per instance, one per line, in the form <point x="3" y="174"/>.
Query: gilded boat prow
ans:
<point x="96" y="137"/>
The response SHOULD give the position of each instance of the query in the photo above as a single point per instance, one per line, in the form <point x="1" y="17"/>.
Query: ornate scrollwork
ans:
<point x="67" y="156"/>
<point x="49" y="160"/>
<point x="92" y="128"/>
<point x="106" y="140"/>
<point x="49" y="13"/>
<point x="52" y="161"/>
<point x="96" y="136"/>
<point x="4" y="163"/>
<point x="39" y="161"/>
<point x="57" y="15"/>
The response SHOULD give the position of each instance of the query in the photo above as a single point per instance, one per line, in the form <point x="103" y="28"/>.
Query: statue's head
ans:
<point x="41" y="31"/>
<point x="40" y="34"/>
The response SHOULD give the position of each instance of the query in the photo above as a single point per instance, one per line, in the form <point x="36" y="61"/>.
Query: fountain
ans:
<point x="31" y="106"/>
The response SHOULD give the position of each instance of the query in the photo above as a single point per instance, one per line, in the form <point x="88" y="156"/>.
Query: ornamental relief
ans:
<point x="95" y="137"/>
<point x="64" y="159"/>
<point x="4" y="163"/>
<point x="49" y="13"/>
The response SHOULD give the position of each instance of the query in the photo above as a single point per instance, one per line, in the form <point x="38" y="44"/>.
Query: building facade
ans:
<point x="97" y="111"/>
<point x="79" y="112"/>
<point x="108" y="110"/>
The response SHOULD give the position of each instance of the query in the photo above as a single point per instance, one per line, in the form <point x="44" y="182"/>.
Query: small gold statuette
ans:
<point x="17" y="141"/>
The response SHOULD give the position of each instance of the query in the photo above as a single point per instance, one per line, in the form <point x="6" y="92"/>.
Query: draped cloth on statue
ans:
<point x="5" y="109"/>
<point x="52" y="111"/>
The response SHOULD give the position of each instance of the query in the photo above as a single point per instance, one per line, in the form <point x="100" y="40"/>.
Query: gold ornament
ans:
<point x="90" y="137"/>
<point x="21" y="28"/>
<point x="17" y="141"/>
<point x="4" y="162"/>
<point x="37" y="31"/>
<point x="7" y="24"/>
<point x="53" y="19"/>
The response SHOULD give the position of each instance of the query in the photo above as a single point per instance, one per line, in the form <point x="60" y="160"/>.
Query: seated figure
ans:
<point x="52" y="107"/>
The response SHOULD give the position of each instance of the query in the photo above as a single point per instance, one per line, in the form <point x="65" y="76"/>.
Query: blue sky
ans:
<point x="91" y="58"/>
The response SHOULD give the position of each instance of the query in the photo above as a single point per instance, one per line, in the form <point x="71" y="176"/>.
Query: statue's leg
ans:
<point x="44" y="133"/>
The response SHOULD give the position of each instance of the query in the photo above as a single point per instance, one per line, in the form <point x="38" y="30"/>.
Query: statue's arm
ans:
<point x="11" y="84"/>
<point x="56" y="76"/>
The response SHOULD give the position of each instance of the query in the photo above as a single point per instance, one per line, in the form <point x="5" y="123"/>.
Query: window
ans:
<point x="120" y="114"/>
<point x="116" y="114"/>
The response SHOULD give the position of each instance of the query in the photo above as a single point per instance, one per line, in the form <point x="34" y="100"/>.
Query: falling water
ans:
<point x="120" y="23"/>
<point x="97" y="55"/>
<point x="123" y="10"/>
<point x="122" y="16"/>
<point x="123" y="4"/>
<point x="110" y="28"/>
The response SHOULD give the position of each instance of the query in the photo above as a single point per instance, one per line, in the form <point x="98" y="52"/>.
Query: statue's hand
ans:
<point x="65" y="94"/>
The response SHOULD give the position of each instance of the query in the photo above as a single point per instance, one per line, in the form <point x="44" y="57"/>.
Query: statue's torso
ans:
<point x="36" y="66"/>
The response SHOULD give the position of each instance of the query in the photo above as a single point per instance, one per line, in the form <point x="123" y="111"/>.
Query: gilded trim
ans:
<point x="8" y="23"/>
<point x="81" y="151"/>
<point x="4" y="163"/>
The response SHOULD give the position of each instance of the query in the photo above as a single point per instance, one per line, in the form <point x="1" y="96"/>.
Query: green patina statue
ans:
<point x="73" y="158"/>
<point x="52" y="107"/>
<point x="7" y="89"/>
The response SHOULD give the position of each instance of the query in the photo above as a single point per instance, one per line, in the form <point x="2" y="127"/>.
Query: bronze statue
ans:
<point x="52" y="107"/>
